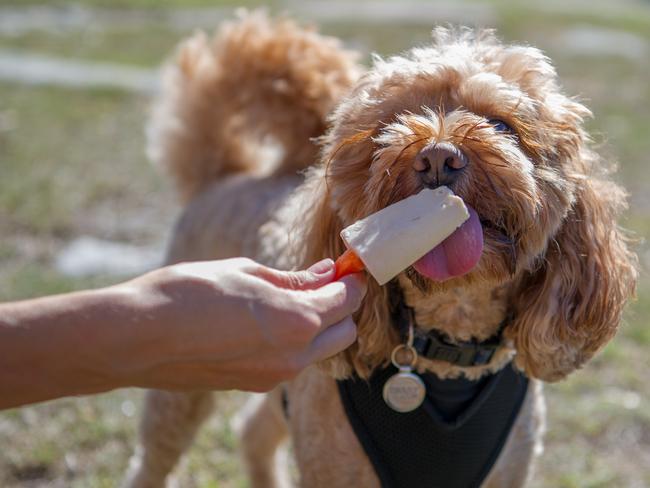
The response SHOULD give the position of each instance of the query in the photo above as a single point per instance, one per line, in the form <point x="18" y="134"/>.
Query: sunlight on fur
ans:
<point x="554" y="256"/>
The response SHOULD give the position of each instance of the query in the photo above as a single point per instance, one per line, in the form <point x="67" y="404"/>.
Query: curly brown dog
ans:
<point x="242" y="114"/>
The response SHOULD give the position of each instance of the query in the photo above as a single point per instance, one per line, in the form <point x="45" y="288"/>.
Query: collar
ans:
<point x="434" y="344"/>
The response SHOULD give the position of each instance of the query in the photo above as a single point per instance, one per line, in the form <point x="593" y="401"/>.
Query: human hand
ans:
<point x="235" y="324"/>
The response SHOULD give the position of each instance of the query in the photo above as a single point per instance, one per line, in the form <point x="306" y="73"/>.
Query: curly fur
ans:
<point x="223" y="98"/>
<point x="554" y="241"/>
<point x="554" y="254"/>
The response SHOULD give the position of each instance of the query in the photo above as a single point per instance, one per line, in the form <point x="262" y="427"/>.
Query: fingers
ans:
<point x="333" y="340"/>
<point x="334" y="301"/>
<point x="331" y="300"/>
<point x="314" y="277"/>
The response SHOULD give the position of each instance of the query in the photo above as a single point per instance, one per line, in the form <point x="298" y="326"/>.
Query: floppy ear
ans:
<point x="322" y="240"/>
<point x="571" y="306"/>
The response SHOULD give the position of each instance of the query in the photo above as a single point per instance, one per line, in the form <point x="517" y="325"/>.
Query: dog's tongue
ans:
<point x="457" y="254"/>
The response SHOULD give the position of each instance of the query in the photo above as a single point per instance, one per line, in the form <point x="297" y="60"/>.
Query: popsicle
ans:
<point x="390" y="240"/>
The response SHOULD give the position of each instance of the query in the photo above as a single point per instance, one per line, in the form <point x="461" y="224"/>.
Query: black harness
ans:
<point x="454" y="438"/>
<point x="451" y="441"/>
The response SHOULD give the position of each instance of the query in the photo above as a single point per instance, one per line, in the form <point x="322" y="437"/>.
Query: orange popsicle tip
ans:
<point x="348" y="263"/>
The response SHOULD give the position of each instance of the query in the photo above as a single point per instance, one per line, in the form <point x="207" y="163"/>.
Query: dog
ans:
<point x="277" y="138"/>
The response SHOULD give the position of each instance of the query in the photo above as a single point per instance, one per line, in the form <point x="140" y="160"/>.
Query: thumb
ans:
<point x="316" y="276"/>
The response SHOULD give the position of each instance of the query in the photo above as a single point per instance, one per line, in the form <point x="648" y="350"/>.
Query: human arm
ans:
<point x="231" y="324"/>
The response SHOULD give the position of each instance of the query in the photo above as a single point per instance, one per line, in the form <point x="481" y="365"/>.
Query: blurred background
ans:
<point x="80" y="206"/>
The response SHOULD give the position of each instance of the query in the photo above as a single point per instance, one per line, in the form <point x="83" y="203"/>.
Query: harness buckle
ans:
<point x="433" y="346"/>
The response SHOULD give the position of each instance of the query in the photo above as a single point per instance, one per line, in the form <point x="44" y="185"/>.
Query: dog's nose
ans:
<point x="439" y="164"/>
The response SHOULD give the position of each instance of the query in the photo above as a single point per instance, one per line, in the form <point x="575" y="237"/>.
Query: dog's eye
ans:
<point x="500" y="126"/>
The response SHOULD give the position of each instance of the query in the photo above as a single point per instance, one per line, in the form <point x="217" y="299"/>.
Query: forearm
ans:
<point x="70" y="344"/>
<point x="203" y="325"/>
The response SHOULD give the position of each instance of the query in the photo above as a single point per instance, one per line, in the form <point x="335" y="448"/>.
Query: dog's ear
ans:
<point x="570" y="306"/>
<point x="322" y="240"/>
<point x="322" y="224"/>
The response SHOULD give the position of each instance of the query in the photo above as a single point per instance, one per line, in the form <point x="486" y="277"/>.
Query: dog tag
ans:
<point x="404" y="391"/>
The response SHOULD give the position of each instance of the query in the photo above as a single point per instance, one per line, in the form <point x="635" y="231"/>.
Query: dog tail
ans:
<point x="258" y="84"/>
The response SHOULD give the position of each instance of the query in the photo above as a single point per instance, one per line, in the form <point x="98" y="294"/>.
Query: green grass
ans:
<point x="132" y="46"/>
<point x="125" y="45"/>
<point x="636" y="329"/>
<point x="515" y="17"/>
<point x="67" y="152"/>
<point x="34" y="279"/>
<point x="72" y="163"/>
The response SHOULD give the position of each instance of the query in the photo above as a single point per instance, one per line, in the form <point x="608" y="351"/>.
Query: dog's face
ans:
<point x="482" y="119"/>
<point x="490" y="122"/>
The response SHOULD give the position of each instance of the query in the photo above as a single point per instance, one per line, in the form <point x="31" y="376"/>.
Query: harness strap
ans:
<point x="437" y="445"/>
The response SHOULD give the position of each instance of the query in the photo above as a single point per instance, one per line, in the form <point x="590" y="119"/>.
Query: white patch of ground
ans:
<point x="604" y="9"/>
<point x="15" y="21"/>
<point x="587" y="40"/>
<point x="36" y="69"/>
<point x="88" y="256"/>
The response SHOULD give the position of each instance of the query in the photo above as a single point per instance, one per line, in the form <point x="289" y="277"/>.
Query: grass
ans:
<point x="517" y="17"/>
<point x="72" y="163"/>
<point x="59" y="137"/>
<point x="123" y="45"/>
<point x="130" y="46"/>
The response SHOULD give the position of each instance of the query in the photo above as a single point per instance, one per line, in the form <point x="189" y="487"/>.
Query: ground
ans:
<point x="72" y="164"/>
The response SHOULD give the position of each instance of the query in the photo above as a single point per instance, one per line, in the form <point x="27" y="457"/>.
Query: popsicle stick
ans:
<point x="348" y="263"/>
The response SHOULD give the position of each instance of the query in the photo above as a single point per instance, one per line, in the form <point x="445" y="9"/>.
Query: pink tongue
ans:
<point x="457" y="254"/>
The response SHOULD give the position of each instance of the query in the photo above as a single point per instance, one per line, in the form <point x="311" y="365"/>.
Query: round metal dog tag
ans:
<point x="404" y="391"/>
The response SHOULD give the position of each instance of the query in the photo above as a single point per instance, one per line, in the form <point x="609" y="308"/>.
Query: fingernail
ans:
<point x="321" y="267"/>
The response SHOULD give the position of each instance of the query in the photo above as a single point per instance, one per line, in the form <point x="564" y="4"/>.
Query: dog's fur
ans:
<point x="554" y="255"/>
